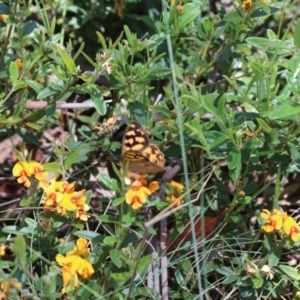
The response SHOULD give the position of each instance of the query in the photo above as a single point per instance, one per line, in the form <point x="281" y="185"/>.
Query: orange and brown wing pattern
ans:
<point x="138" y="153"/>
<point x="154" y="155"/>
<point x="135" y="138"/>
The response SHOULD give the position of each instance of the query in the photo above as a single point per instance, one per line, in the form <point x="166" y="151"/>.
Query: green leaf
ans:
<point x="264" y="125"/>
<point x="50" y="110"/>
<point x="294" y="153"/>
<point x="130" y="239"/>
<point x="31" y="223"/>
<point x="253" y="144"/>
<point x="129" y="218"/>
<point x="234" y="159"/>
<point x="273" y="46"/>
<point x="163" y="108"/>
<point x="35" y="256"/>
<point x="231" y="278"/>
<point x="20" y="85"/>
<point x="293" y="81"/>
<point x="290" y="272"/>
<point x="208" y="105"/>
<point x="110" y="241"/>
<point x="257" y="282"/>
<point x="28" y="28"/>
<point x="19" y="249"/>
<point x="257" y="68"/>
<point x="79" y="51"/>
<point x="190" y="12"/>
<point x="102" y="39"/>
<point x="37" y="87"/>
<point x="268" y="241"/>
<point x="144" y="262"/>
<point x="154" y="74"/>
<point x="87" y="234"/>
<point x="52" y="167"/>
<point x="233" y="16"/>
<point x="121" y="278"/>
<point x="71" y="158"/>
<point x="88" y="195"/>
<point x="4" y="9"/>
<point x="157" y="39"/>
<point x="111" y="183"/>
<point x="235" y="174"/>
<point x="20" y="107"/>
<point x="224" y="271"/>
<point x="88" y="59"/>
<point x="108" y="219"/>
<point x="138" y="111"/>
<point x="97" y="99"/>
<point x="263" y="10"/>
<point x="221" y="104"/>
<point x="219" y="140"/>
<point x="131" y="38"/>
<point x="286" y="110"/>
<point x="179" y="276"/>
<point x="115" y="257"/>
<point x="117" y="41"/>
<point x="118" y="201"/>
<point x="274" y="257"/>
<point x="13" y="72"/>
<point x="37" y="115"/>
<point x="237" y="218"/>
<point x="49" y="91"/>
<point x="297" y="35"/>
<point x="12" y="229"/>
<point x="69" y="62"/>
<point x="28" y="137"/>
<point x="272" y="35"/>
<point x="26" y="202"/>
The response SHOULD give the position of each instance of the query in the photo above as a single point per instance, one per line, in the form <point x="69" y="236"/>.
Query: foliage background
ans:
<point x="221" y="85"/>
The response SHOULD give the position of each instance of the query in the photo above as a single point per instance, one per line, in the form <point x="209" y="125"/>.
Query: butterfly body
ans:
<point x="138" y="153"/>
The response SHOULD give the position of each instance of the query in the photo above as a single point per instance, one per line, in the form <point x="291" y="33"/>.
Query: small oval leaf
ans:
<point x="28" y="28"/>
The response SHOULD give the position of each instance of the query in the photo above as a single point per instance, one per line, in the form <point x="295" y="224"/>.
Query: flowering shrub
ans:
<point x="60" y="196"/>
<point x="24" y="170"/>
<point x="277" y="221"/>
<point x="75" y="263"/>
<point x="213" y="90"/>
<point x="139" y="190"/>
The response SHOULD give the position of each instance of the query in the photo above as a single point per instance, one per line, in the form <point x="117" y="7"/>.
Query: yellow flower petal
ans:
<point x="265" y="214"/>
<point x="153" y="186"/>
<point x="136" y="197"/>
<point x="19" y="63"/>
<point x="247" y="4"/>
<point x="2" y="250"/>
<point x="273" y="223"/>
<point x="180" y="8"/>
<point x="3" y="17"/>
<point x="292" y="229"/>
<point x="85" y="269"/>
<point x="178" y="186"/>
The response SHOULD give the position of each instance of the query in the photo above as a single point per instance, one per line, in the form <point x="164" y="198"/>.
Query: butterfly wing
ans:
<point x="154" y="155"/>
<point x="138" y="153"/>
<point x="135" y="139"/>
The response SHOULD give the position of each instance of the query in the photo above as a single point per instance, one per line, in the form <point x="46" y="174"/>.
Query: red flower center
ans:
<point x="272" y="223"/>
<point x="293" y="230"/>
<point x="136" y="199"/>
<point x="23" y="174"/>
<point x="37" y="170"/>
<point x="74" y="200"/>
<point x="52" y="196"/>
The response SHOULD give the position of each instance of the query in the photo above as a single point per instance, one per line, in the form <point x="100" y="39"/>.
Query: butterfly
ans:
<point x="138" y="153"/>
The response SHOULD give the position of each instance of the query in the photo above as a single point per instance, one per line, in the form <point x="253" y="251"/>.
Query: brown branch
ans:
<point x="60" y="105"/>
